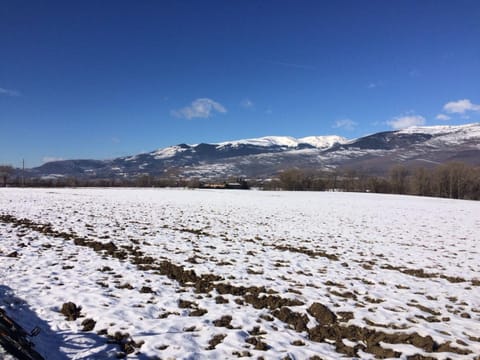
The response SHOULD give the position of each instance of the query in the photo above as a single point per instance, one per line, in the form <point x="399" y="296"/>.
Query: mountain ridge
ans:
<point x="267" y="156"/>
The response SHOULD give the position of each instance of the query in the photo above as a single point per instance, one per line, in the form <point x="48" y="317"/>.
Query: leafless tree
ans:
<point x="398" y="179"/>
<point x="5" y="172"/>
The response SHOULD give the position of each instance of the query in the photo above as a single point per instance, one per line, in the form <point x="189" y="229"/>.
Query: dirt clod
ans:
<point x="215" y="340"/>
<point x="198" y="312"/>
<point x="257" y="343"/>
<point x="322" y="314"/>
<point x="71" y="311"/>
<point x="297" y="320"/>
<point x="146" y="290"/>
<point x="88" y="324"/>
<point x="186" y="304"/>
<point x="224" y="321"/>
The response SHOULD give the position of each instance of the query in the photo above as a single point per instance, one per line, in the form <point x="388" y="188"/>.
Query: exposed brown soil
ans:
<point x="257" y="343"/>
<point x="420" y="357"/>
<point x="186" y="304"/>
<point x="167" y="314"/>
<point x="306" y="251"/>
<point x="88" y="324"/>
<point x="198" y="312"/>
<point x="244" y="353"/>
<point x="372" y="338"/>
<point x="221" y="300"/>
<point x="215" y="340"/>
<point x="426" y="309"/>
<point x="71" y="311"/>
<point x="224" y="321"/>
<point x="302" y="250"/>
<point x="125" y="342"/>
<point x="271" y="302"/>
<point x="297" y="320"/>
<point x="146" y="290"/>
<point x="330" y="327"/>
<point x="420" y="273"/>
<point x="297" y="343"/>
<point x="257" y="331"/>
<point x="322" y="314"/>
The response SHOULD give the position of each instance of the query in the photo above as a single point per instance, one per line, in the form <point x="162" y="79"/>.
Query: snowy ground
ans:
<point x="276" y="274"/>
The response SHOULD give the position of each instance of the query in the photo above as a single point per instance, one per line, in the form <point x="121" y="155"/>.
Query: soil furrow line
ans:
<point x="331" y="327"/>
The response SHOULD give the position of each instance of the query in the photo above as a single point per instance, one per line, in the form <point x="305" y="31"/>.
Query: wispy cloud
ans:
<point x="247" y="104"/>
<point x="9" y="92"/>
<point x="460" y="107"/>
<point x="200" y="108"/>
<point x="291" y="65"/>
<point x="345" y="124"/>
<point x="374" y="84"/>
<point x="47" y="159"/>
<point x="405" y="121"/>
<point x="442" y="117"/>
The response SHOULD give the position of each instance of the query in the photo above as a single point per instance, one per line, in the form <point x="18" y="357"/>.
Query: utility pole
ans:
<point x="23" y="172"/>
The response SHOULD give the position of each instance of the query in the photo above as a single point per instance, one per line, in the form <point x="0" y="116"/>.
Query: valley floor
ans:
<point x="194" y="274"/>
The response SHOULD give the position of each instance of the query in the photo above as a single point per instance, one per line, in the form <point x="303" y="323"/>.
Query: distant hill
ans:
<point x="267" y="156"/>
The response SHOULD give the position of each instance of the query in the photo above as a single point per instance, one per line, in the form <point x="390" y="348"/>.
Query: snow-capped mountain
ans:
<point x="319" y="142"/>
<point x="266" y="156"/>
<point x="255" y="145"/>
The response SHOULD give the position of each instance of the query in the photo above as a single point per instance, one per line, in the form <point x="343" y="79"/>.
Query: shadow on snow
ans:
<point x="55" y="345"/>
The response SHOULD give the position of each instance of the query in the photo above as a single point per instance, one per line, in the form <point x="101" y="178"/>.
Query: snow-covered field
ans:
<point x="194" y="274"/>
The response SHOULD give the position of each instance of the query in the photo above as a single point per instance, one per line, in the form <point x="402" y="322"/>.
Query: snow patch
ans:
<point x="168" y="152"/>
<point x="320" y="142"/>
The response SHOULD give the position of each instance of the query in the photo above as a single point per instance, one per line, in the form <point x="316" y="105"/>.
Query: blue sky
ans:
<point x="101" y="79"/>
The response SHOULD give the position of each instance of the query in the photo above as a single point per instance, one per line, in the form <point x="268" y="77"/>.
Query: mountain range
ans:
<point x="267" y="156"/>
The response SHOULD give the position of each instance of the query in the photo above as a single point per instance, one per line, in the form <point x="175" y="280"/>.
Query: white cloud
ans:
<point x="374" y="85"/>
<point x="345" y="124"/>
<point x="442" y="117"/>
<point x="247" y="104"/>
<point x="402" y="122"/>
<point x="9" y="92"/>
<point x="47" y="159"/>
<point x="200" y="108"/>
<point x="460" y="107"/>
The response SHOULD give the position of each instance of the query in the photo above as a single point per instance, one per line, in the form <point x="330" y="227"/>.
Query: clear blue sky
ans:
<point x="101" y="79"/>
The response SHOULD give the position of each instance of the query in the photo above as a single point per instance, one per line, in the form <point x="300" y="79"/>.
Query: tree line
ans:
<point x="453" y="180"/>
<point x="143" y="181"/>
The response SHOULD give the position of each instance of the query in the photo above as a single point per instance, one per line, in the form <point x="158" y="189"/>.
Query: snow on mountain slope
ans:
<point x="468" y="130"/>
<point x="285" y="141"/>
<point x="266" y="156"/>
<point x="323" y="142"/>
<point x="452" y="134"/>
<point x="447" y="135"/>
<point x="168" y="152"/>
<point x="320" y="142"/>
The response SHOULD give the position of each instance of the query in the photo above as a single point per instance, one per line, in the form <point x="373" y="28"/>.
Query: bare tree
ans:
<point x="422" y="182"/>
<point x="455" y="180"/>
<point x="296" y="179"/>
<point x="5" y="172"/>
<point x="350" y="180"/>
<point x="398" y="179"/>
